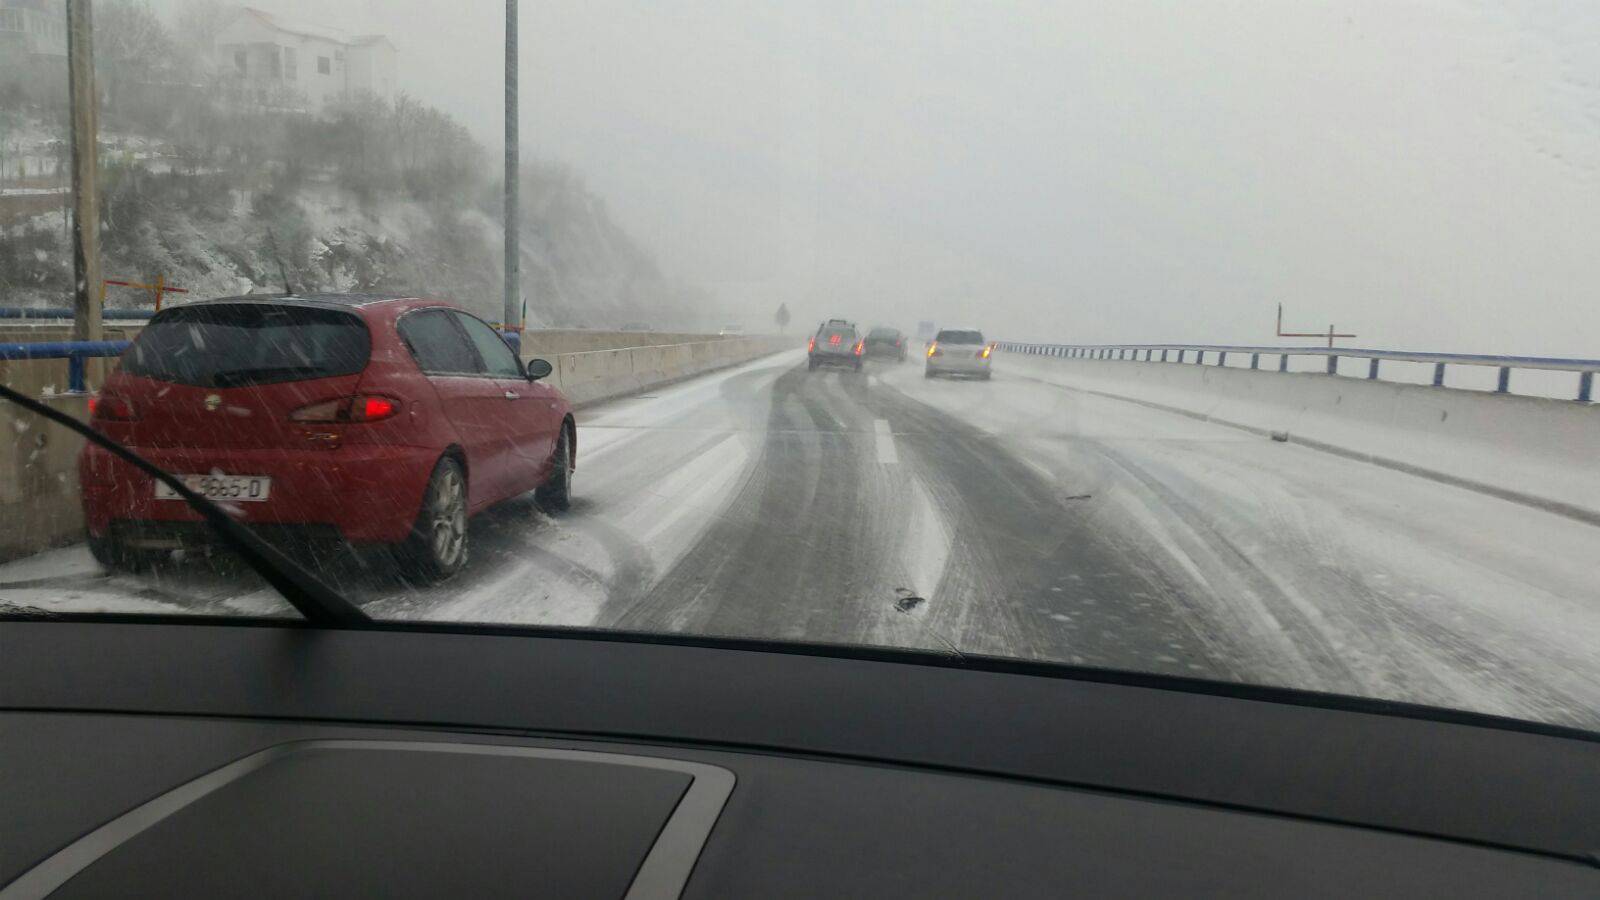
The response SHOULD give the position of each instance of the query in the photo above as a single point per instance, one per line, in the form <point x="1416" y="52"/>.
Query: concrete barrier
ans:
<point x="590" y="376"/>
<point x="39" y="506"/>
<point x="555" y="341"/>
<point x="38" y="462"/>
<point x="1531" y="450"/>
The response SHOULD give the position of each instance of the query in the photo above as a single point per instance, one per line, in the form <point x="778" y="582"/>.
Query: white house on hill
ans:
<point x="283" y="60"/>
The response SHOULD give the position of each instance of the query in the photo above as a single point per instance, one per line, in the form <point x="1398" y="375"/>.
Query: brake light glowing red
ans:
<point x="835" y="339"/>
<point x="382" y="407"/>
<point x="811" y="344"/>
<point x="346" y="409"/>
<point x="110" y="407"/>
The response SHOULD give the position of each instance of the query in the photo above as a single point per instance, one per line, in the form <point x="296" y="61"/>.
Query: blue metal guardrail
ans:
<point x="109" y="314"/>
<point x="74" y="352"/>
<point x="1177" y="353"/>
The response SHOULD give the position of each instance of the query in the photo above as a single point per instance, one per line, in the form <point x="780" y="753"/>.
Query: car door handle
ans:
<point x="511" y="395"/>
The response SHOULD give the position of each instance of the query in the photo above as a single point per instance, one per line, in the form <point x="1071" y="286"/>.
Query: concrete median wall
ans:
<point x="1532" y="450"/>
<point x="554" y="341"/>
<point x="589" y="376"/>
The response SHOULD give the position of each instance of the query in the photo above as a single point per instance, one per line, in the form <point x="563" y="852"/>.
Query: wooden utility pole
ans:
<point x="85" y="172"/>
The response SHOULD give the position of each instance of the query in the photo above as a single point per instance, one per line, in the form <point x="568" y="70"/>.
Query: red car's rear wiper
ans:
<point x="320" y="604"/>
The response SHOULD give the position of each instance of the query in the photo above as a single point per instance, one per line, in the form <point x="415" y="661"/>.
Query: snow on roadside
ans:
<point x="1327" y="573"/>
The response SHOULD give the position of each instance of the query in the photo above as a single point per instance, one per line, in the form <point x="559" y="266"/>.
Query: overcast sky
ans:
<point x="1423" y="173"/>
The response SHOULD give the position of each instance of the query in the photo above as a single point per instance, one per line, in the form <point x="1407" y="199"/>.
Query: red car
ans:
<point x="362" y="418"/>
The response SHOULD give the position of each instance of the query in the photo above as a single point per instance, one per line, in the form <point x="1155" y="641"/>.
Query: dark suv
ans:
<point x="836" y="343"/>
<point x="888" y="343"/>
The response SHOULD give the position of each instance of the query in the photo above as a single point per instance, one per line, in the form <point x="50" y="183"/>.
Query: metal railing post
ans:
<point x="1504" y="385"/>
<point x="1222" y="357"/>
<point x="1283" y="362"/>
<point x="1372" y="370"/>
<point x="1333" y="364"/>
<point x="1438" y="374"/>
<point x="1255" y="360"/>
<point x="1585" y="386"/>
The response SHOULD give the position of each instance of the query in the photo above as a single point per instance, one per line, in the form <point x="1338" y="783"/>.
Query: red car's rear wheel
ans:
<point x="437" y="546"/>
<point x="555" y="495"/>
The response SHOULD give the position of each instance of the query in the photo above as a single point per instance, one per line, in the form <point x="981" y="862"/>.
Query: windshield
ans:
<point x="1248" y="343"/>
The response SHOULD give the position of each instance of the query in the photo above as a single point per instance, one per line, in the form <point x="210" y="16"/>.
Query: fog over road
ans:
<point x="1016" y="517"/>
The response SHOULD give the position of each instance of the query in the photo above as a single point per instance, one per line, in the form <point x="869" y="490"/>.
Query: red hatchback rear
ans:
<point x="360" y="418"/>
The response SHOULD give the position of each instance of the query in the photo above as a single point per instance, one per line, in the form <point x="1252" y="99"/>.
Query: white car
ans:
<point x="958" y="351"/>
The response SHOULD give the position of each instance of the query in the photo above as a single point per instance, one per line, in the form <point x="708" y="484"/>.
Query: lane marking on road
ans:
<point x="886" y="451"/>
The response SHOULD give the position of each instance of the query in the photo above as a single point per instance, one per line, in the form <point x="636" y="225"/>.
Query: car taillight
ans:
<point x="347" y="409"/>
<point x="374" y="408"/>
<point x="933" y="349"/>
<point x="835" y="339"/>
<point x="897" y="342"/>
<point x="110" y="407"/>
<point x="811" y="344"/>
<point x="860" y="345"/>
<point x="984" y="353"/>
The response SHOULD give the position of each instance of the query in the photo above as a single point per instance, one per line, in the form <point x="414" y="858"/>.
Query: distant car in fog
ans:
<point x="884" y="342"/>
<point x="731" y="331"/>
<point x="836" y="343"/>
<point x="958" y="351"/>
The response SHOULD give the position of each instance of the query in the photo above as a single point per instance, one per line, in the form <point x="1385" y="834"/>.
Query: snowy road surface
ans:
<point x="1015" y="517"/>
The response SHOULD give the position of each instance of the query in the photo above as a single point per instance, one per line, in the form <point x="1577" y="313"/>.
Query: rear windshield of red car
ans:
<point x="236" y="344"/>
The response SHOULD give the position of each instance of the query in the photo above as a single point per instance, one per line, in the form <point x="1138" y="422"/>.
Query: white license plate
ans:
<point x="248" y="488"/>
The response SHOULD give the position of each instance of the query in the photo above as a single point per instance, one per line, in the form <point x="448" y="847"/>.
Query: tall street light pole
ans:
<point x="512" y="316"/>
<point x="85" y="172"/>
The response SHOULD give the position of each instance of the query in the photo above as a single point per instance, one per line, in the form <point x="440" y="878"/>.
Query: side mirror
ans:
<point x="537" y="369"/>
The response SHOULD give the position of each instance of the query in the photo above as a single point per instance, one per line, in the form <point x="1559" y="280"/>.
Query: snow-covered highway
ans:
<point x="1017" y="517"/>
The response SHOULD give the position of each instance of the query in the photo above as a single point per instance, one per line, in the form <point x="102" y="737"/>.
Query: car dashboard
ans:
<point x="208" y="759"/>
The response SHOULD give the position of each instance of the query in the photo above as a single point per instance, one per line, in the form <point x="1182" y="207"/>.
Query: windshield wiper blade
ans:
<point x="320" y="604"/>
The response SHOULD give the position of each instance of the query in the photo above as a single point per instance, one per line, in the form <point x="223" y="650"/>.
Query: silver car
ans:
<point x="958" y="351"/>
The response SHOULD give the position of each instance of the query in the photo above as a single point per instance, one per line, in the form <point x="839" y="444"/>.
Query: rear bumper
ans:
<point x="364" y="494"/>
<point x="949" y="364"/>
<point x="835" y="359"/>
